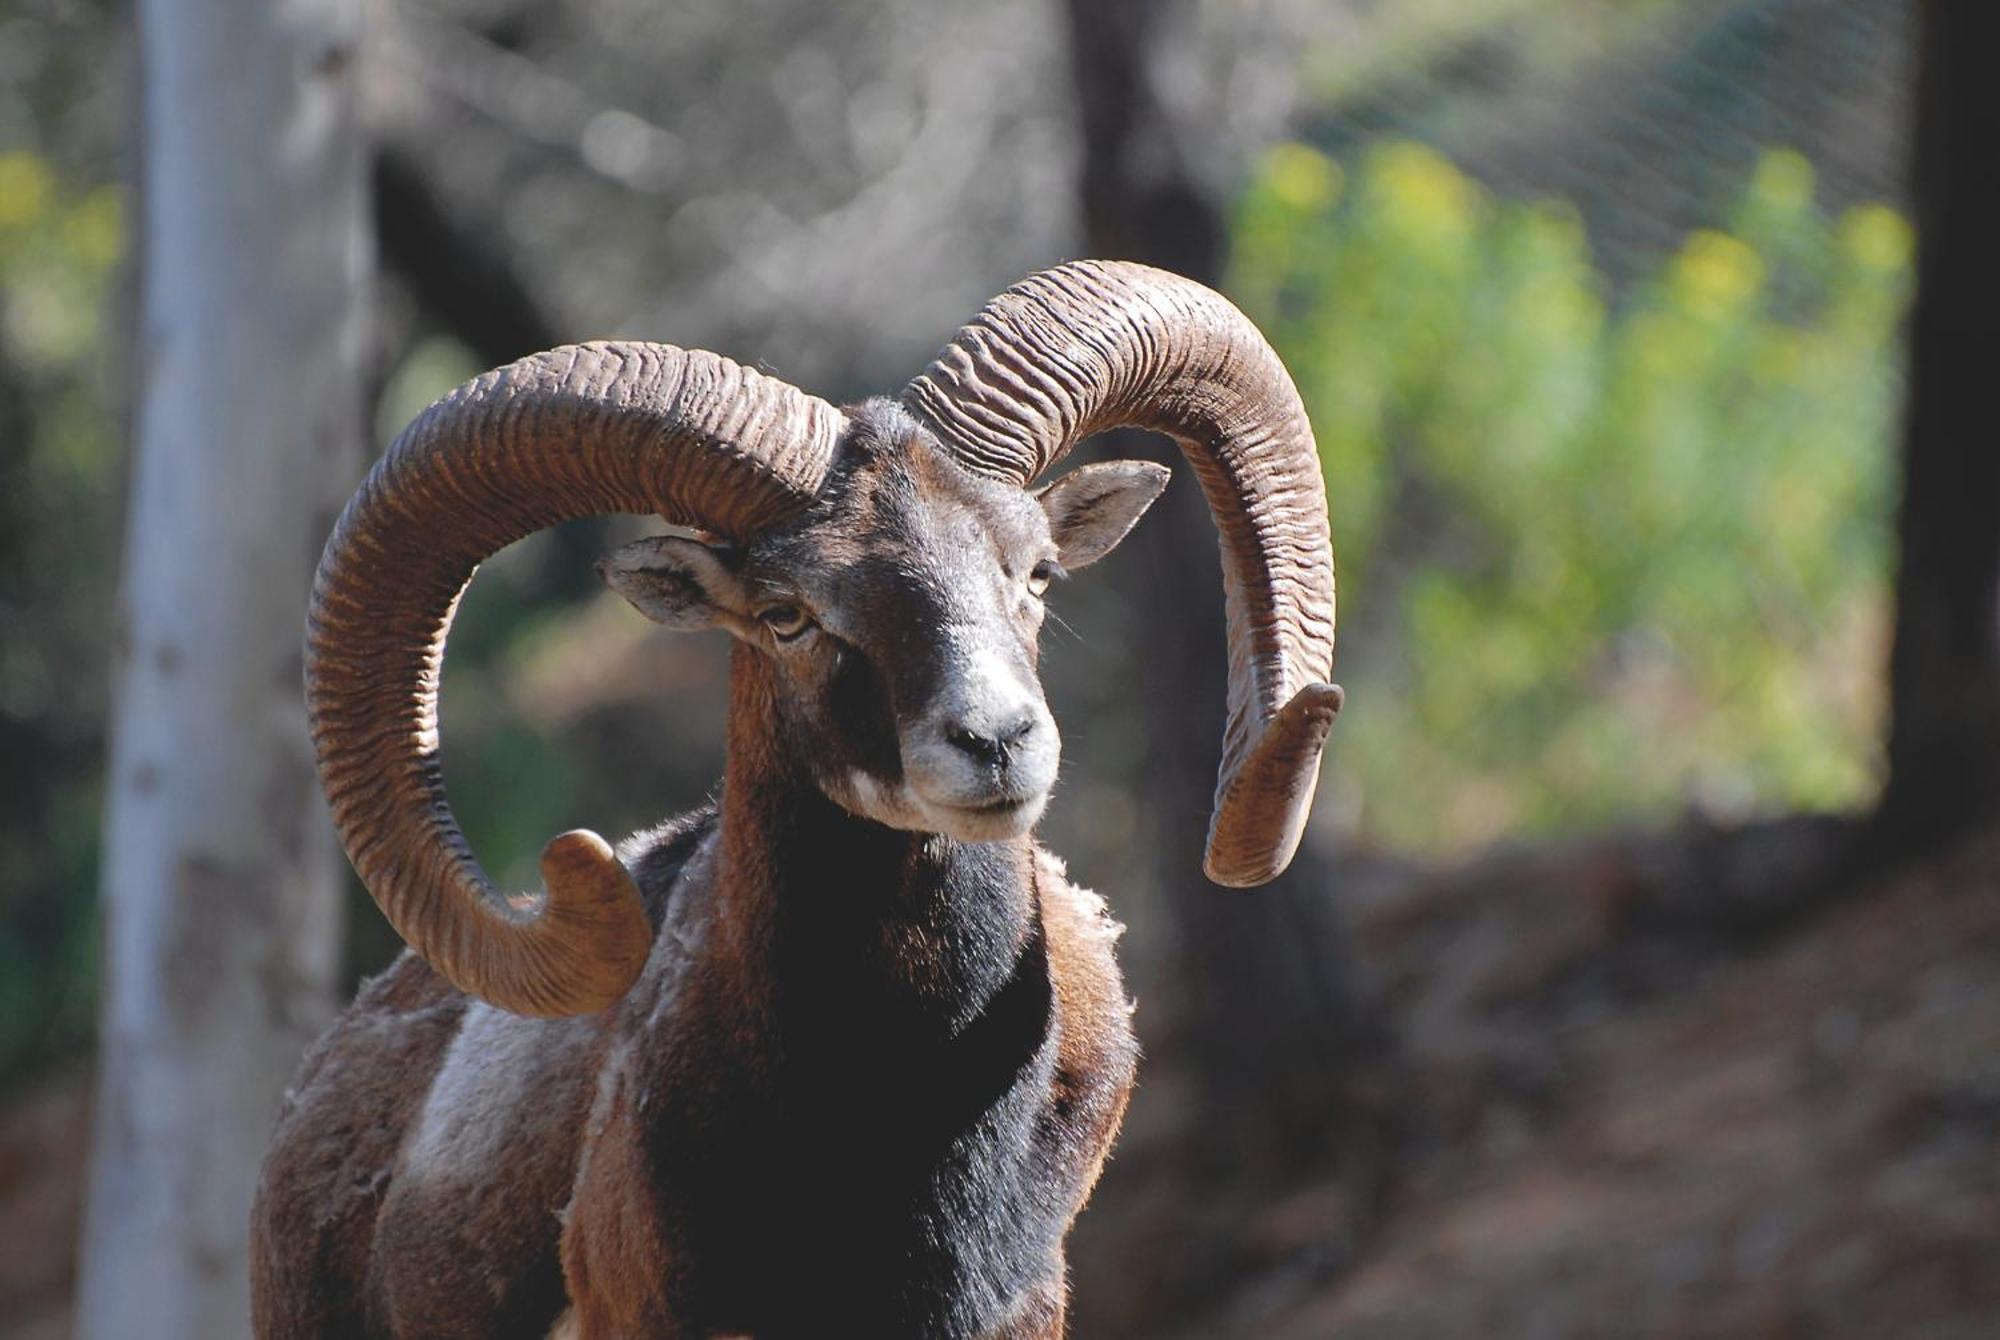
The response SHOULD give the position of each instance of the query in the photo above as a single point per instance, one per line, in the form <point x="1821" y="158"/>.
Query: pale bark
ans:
<point x="221" y="881"/>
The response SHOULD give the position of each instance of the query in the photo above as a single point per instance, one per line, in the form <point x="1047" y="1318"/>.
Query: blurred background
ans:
<point x="1642" y="975"/>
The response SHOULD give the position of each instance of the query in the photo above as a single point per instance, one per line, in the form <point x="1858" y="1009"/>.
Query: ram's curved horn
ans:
<point x="574" y="432"/>
<point x="1095" y="345"/>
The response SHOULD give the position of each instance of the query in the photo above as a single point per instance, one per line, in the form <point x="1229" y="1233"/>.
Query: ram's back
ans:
<point x="424" y="1154"/>
<point x="335" y="1153"/>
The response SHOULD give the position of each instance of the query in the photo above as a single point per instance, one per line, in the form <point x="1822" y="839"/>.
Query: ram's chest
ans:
<point x="923" y="1226"/>
<point x="907" y="1185"/>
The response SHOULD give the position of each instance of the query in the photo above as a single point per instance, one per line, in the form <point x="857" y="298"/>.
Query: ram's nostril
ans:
<point x="994" y="747"/>
<point x="985" y="748"/>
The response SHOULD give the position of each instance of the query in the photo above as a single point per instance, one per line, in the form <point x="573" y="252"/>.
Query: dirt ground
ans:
<point x="1798" y="1139"/>
<point x="44" y="1137"/>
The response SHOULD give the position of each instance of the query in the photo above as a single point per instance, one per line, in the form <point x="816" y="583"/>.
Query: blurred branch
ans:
<point x="534" y="103"/>
<point x="801" y="262"/>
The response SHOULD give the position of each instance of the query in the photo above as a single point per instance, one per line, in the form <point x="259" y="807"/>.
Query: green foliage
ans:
<point x="1600" y="557"/>
<point x="60" y="243"/>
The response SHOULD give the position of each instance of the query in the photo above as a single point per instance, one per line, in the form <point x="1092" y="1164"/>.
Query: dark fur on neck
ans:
<point x="890" y="993"/>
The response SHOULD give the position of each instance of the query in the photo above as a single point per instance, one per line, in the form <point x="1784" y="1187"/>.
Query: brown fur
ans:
<point x="353" y="1242"/>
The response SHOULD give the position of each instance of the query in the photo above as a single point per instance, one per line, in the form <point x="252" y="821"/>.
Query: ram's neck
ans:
<point x="844" y="924"/>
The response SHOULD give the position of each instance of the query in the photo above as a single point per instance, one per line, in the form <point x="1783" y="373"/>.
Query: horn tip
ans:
<point x="1262" y="816"/>
<point x="579" y="852"/>
<point x="1317" y="698"/>
<point x="595" y="910"/>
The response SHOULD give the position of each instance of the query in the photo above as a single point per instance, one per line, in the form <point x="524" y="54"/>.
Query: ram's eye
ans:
<point x="786" y="621"/>
<point x="1044" y="572"/>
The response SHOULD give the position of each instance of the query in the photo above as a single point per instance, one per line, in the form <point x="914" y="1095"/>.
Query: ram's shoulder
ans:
<point x="1082" y="939"/>
<point x="658" y="856"/>
<point x="1078" y="913"/>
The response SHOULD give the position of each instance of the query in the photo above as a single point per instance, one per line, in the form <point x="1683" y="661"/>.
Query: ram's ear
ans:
<point x="1091" y="509"/>
<point x="681" y="583"/>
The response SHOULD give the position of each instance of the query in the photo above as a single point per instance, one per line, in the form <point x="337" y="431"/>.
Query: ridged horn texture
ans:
<point x="577" y="431"/>
<point x="1095" y="345"/>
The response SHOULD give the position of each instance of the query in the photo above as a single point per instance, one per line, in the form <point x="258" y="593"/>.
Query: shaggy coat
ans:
<point x="863" y="1086"/>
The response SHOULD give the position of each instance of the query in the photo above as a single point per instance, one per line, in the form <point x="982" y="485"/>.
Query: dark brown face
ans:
<point x="904" y="611"/>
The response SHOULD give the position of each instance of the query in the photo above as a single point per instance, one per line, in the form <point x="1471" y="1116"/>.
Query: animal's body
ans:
<point x="895" y="1152"/>
<point x="845" y="1053"/>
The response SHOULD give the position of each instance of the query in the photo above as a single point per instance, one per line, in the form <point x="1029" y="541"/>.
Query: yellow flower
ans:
<point x="1716" y="272"/>
<point x="1784" y="179"/>
<point x="1878" y="237"/>
<point x="1302" y="178"/>
<point x="96" y="227"/>
<point x="25" y="188"/>
<point x="1424" y="194"/>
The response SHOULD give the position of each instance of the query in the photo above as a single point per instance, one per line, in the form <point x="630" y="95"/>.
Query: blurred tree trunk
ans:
<point x="455" y="269"/>
<point x="221" y="880"/>
<point x="1944" y="677"/>
<point x="1263" y="976"/>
